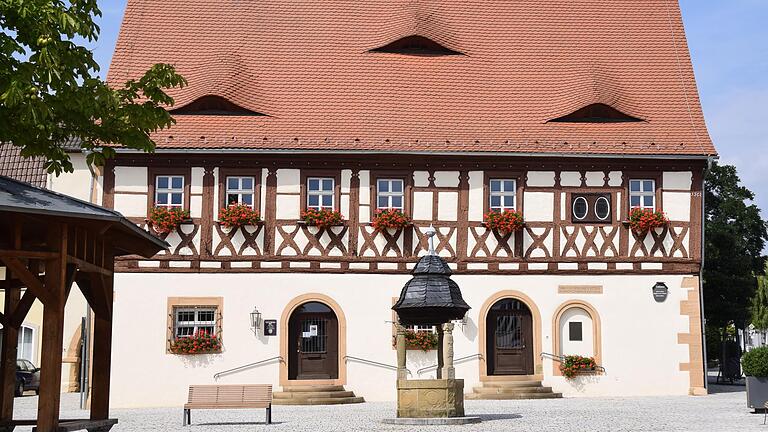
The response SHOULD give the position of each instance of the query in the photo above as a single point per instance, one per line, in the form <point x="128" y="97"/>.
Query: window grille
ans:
<point x="188" y="321"/>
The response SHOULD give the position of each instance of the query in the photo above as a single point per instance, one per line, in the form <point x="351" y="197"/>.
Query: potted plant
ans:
<point x="200" y="343"/>
<point x="321" y="218"/>
<point x="643" y="220"/>
<point x="165" y="220"/>
<point x="504" y="222"/>
<point x="236" y="215"/>
<point x="572" y="365"/>
<point x="390" y="218"/>
<point x="755" y="366"/>
<point x="422" y="340"/>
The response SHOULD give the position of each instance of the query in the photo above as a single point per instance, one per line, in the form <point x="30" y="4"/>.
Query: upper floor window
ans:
<point x="240" y="190"/>
<point x="188" y="321"/>
<point x="642" y="194"/>
<point x="320" y="193"/>
<point x="503" y="193"/>
<point x="169" y="191"/>
<point x="591" y="208"/>
<point x="389" y="194"/>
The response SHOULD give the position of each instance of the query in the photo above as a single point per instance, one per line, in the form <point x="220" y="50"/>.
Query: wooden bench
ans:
<point x="228" y="397"/>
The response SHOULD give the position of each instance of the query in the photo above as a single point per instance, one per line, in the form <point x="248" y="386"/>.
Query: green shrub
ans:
<point x="755" y="362"/>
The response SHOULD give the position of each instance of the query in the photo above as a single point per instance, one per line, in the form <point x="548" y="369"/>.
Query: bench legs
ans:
<point x="187" y="417"/>
<point x="269" y="414"/>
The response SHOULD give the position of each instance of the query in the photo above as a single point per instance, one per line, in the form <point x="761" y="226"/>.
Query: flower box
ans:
<point x="643" y="220"/>
<point x="165" y="220"/>
<point x="418" y="340"/>
<point x="390" y="219"/>
<point x="237" y="215"/>
<point x="574" y="365"/>
<point x="321" y="218"/>
<point x="505" y="222"/>
<point x="199" y="343"/>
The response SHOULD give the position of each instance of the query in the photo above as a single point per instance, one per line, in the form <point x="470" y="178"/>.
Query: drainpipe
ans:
<point x="710" y="161"/>
<point x="85" y="358"/>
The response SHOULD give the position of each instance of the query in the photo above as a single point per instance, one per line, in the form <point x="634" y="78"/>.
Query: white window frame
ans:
<point x="20" y="343"/>
<point x="169" y="191"/>
<point x="320" y="193"/>
<point x="643" y="193"/>
<point x="503" y="193"/>
<point x="240" y="191"/>
<point x="196" y="324"/>
<point x="389" y="194"/>
<point x="421" y="328"/>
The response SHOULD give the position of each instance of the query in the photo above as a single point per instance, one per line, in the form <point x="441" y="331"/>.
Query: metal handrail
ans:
<point x="460" y="359"/>
<point x="559" y="358"/>
<point x="248" y="366"/>
<point x="374" y="363"/>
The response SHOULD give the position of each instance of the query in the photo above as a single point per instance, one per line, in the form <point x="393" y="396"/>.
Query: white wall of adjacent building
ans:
<point x="640" y="348"/>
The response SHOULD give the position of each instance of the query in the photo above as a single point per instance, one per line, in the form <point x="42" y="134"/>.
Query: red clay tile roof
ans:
<point x="306" y="65"/>
<point x="28" y="170"/>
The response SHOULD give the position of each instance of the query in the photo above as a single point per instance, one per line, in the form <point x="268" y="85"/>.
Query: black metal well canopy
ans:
<point x="431" y="297"/>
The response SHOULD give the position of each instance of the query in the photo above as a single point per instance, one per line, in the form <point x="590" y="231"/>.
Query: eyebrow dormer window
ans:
<point x="417" y="46"/>
<point x="596" y="113"/>
<point x="214" y="105"/>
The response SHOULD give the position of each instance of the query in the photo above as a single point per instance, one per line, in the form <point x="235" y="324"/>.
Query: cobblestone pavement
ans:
<point x="725" y="411"/>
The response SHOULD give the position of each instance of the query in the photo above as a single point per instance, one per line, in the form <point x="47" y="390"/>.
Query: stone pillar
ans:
<point x="448" y="371"/>
<point x="402" y="372"/>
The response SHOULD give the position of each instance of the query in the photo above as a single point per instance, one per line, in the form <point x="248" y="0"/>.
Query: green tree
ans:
<point x="50" y="91"/>
<point x="735" y="238"/>
<point x="759" y="309"/>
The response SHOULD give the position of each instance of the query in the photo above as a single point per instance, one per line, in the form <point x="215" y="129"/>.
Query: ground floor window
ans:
<point x="25" y="348"/>
<point x="188" y="316"/>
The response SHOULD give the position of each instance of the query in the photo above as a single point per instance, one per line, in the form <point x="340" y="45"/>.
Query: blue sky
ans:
<point x="729" y="44"/>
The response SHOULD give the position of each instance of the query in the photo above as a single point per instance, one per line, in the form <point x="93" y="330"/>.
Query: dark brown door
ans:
<point x="509" y="328"/>
<point x="313" y="343"/>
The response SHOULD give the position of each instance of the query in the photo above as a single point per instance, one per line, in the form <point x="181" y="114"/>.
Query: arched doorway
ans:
<point x="509" y="338"/>
<point x="313" y="342"/>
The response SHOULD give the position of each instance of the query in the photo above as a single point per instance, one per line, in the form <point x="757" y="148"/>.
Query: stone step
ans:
<point x="511" y="390"/>
<point x="512" y="396"/>
<point x="312" y="394"/>
<point x="508" y="378"/>
<point x="511" y="384"/>
<point x="313" y="388"/>
<point x="319" y="401"/>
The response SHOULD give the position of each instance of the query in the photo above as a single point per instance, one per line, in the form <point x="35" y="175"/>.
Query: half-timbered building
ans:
<point x="572" y="113"/>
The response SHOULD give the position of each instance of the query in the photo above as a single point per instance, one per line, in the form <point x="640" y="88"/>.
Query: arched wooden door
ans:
<point x="509" y="338"/>
<point x="313" y="343"/>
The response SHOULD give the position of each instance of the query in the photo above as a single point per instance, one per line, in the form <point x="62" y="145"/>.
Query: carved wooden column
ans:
<point x="9" y="354"/>
<point x="402" y="372"/>
<point x="208" y="214"/>
<point x="448" y="370"/>
<point x="270" y="211"/>
<point x="462" y="230"/>
<point x="354" y="211"/>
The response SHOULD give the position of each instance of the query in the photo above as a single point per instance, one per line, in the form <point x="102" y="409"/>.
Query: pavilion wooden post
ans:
<point x="102" y="346"/>
<point x="9" y="354"/>
<point x="55" y="283"/>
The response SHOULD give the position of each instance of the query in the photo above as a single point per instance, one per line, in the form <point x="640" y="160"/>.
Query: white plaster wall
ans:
<point x="288" y="181"/>
<point x="196" y="186"/>
<point x="476" y="203"/>
<point x="288" y="206"/>
<point x="595" y="178"/>
<point x="420" y="178"/>
<point x="677" y="205"/>
<point x="130" y="179"/>
<point x="541" y="178"/>
<point x="346" y="177"/>
<point x="584" y="347"/>
<point x="628" y="334"/>
<point x="422" y="205"/>
<point x="447" y="178"/>
<point x="131" y="205"/>
<point x="570" y="179"/>
<point x="539" y="206"/>
<point x="678" y="180"/>
<point x="447" y="206"/>
<point x="614" y="178"/>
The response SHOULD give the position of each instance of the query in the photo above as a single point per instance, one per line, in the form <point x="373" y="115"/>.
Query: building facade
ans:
<point x="446" y="114"/>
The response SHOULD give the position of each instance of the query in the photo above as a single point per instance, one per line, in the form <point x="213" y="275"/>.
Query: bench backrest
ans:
<point x="228" y="394"/>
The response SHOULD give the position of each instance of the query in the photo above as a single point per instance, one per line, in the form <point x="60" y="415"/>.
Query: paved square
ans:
<point x="717" y="412"/>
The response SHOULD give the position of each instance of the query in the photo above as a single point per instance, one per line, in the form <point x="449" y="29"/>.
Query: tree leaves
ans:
<point x="735" y="238"/>
<point x="50" y="92"/>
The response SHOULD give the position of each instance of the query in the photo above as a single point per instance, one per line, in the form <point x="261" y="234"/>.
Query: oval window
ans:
<point x="580" y="208"/>
<point x="602" y="208"/>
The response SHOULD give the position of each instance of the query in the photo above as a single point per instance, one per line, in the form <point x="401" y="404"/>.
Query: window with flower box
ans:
<point x="189" y="316"/>
<point x="642" y="194"/>
<point x="169" y="191"/>
<point x="390" y="194"/>
<point x="502" y="194"/>
<point x="321" y="193"/>
<point x="241" y="190"/>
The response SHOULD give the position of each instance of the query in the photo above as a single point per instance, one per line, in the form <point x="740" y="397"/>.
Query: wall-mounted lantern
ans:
<point x="660" y="292"/>
<point x="255" y="320"/>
